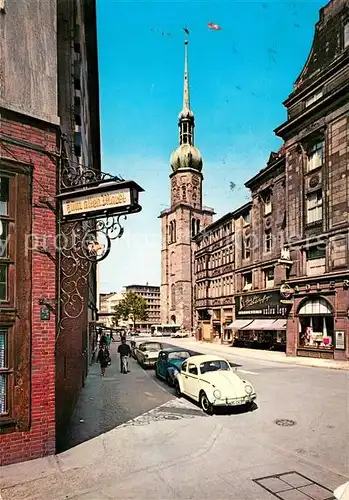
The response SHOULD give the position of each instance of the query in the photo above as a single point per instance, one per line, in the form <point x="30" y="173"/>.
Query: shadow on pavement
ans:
<point x="106" y="402"/>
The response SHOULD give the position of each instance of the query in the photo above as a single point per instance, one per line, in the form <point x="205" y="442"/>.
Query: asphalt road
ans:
<point x="304" y="410"/>
<point x="293" y="446"/>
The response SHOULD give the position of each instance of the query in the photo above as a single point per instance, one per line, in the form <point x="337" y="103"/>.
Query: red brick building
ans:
<point x="317" y="193"/>
<point x="42" y="366"/>
<point x="290" y="267"/>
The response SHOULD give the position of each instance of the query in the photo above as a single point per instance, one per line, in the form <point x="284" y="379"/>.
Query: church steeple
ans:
<point x="186" y="116"/>
<point x="186" y="156"/>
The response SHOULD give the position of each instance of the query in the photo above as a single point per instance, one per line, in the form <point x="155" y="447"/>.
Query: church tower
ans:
<point x="183" y="220"/>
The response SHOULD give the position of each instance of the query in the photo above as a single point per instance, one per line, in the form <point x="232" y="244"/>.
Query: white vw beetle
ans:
<point x="213" y="382"/>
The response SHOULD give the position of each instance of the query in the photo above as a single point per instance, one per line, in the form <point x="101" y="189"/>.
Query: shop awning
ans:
<point x="261" y="324"/>
<point x="280" y="324"/>
<point x="239" y="324"/>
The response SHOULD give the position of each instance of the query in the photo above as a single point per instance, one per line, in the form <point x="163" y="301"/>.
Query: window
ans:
<point x="247" y="281"/>
<point x="184" y="367"/>
<point x="267" y="203"/>
<point x="315" y="156"/>
<point x="173" y="296"/>
<point x="316" y="260"/>
<point x="269" y="277"/>
<point x="316" y="252"/>
<point x="313" y="98"/>
<point x="346" y="35"/>
<point x="268" y="240"/>
<point x="193" y="369"/>
<point x="314" y="207"/>
<point x="4" y="372"/>
<point x="246" y="247"/>
<point x="4" y="237"/>
<point x="247" y="218"/>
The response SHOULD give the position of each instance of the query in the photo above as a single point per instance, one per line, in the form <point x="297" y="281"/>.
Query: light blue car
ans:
<point x="169" y="363"/>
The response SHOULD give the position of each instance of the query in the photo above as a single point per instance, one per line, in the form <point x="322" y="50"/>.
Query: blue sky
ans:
<point x="239" y="77"/>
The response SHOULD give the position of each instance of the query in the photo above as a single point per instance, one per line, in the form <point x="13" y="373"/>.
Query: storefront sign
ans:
<point x="83" y="203"/>
<point x="261" y="304"/>
<point x="340" y="340"/>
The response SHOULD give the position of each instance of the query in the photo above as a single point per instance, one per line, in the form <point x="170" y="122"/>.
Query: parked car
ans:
<point x="134" y="345"/>
<point x="169" y="363"/>
<point x="147" y="353"/>
<point x="180" y="334"/>
<point x="213" y="382"/>
<point x="342" y="492"/>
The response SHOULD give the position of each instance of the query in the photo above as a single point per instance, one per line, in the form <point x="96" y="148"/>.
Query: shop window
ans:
<point x="267" y="240"/>
<point x="246" y="247"/>
<point x="247" y="281"/>
<point x="314" y="207"/>
<point x="269" y="277"/>
<point x="316" y="331"/>
<point x="315" y="155"/>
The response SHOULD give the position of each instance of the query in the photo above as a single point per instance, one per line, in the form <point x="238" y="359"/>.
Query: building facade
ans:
<point x="291" y="271"/>
<point x="182" y="221"/>
<point x="316" y="136"/>
<point x="107" y="304"/>
<point x="40" y="374"/>
<point x="152" y="296"/>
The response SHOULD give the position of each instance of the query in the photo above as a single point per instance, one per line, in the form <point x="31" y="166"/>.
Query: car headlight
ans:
<point x="248" y="389"/>
<point x="145" y="355"/>
<point x="217" y="394"/>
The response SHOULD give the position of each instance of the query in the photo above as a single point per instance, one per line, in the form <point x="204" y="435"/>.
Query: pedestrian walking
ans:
<point x="103" y="358"/>
<point x="125" y="353"/>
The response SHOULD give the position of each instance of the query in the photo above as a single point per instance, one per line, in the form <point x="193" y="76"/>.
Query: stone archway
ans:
<point x="173" y="319"/>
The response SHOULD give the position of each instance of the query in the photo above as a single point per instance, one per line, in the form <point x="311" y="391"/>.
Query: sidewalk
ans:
<point x="258" y="355"/>
<point x="171" y="452"/>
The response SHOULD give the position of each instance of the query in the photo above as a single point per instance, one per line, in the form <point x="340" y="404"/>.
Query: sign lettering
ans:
<point x="261" y="304"/>
<point x="91" y="203"/>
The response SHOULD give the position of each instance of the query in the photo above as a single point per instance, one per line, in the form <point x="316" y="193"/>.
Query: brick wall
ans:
<point x="39" y="440"/>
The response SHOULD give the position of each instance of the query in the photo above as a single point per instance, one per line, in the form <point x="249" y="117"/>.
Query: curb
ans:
<point x="292" y="360"/>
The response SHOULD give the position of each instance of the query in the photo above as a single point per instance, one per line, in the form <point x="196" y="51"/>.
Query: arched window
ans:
<point x="173" y="296"/>
<point x="316" y="324"/>
<point x="174" y="235"/>
<point x="193" y="227"/>
<point x="197" y="226"/>
<point x="170" y="232"/>
<point x="172" y="263"/>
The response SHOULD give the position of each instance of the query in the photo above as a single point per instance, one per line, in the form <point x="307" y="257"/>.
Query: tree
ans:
<point x="132" y="307"/>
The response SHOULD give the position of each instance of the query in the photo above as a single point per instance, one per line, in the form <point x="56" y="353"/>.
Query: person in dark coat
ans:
<point x="125" y="353"/>
<point x="103" y="358"/>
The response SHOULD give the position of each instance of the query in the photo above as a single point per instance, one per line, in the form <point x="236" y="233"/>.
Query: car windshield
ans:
<point x="213" y="366"/>
<point x="152" y="347"/>
<point x="178" y="355"/>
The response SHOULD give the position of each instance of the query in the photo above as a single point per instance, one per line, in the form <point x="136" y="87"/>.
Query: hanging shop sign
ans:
<point x="261" y="304"/>
<point x="100" y="200"/>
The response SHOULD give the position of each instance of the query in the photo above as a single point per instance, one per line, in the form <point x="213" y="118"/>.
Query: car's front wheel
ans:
<point x="205" y="404"/>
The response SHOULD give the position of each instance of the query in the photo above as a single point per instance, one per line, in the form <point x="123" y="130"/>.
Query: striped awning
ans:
<point x="239" y="324"/>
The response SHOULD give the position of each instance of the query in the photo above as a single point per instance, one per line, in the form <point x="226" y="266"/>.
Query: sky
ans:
<point x="239" y="77"/>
